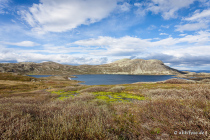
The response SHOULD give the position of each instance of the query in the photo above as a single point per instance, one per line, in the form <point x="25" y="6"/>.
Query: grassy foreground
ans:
<point x="62" y="109"/>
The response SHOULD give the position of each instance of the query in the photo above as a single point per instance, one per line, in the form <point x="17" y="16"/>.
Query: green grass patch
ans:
<point x="156" y="131"/>
<point x="63" y="95"/>
<point x="107" y="96"/>
<point x="120" y="97"/>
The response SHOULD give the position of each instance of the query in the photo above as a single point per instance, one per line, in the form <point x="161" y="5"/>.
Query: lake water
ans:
<point x="109" y="79"/>
<point x="39" y="76"/>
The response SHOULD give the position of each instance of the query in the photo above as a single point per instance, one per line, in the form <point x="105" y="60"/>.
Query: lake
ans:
<point x="109" y="79"/>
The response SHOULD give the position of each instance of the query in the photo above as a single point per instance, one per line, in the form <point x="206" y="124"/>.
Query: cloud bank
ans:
<point x="185" y="50"/>
<point x="199" y="20"/>
<point x="23" y="44"/>
<point x="64" y="15"/>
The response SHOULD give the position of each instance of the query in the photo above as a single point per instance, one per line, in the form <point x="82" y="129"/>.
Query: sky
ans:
<point x="97" y="32"/>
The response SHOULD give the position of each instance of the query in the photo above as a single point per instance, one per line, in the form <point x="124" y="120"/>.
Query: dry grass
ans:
<point x="95" y="89"/>
<point x="74" y="88"/>
<point x="40" y="118"/>
<point x="199" y="92"/>
<point x="177" y="81"/>
<point x="40" y="115"/>
<point x="10" y="86"/>
<point x="117" y="89"/>
<point x="15" y="77"/>
<point x="206" y="81"/>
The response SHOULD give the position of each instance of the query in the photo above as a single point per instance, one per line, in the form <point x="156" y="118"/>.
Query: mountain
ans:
<point x="198" y="71"/>
<point x="123" y="66"/>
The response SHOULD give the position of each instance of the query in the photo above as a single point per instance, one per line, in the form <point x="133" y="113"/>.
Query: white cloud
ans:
<point x="199" y="15"/>
<point x="194" y="51"/>
<point x="156" y="38"/>
<point x="186" y="60"/>
<point x="3" y="5"/>
<point x="23" y="44"/>
<point x="182" y="34"/>
<point x="165" y="26"/>
<point x="199" y="20"/>
<point x="167" y="8"/>
<point x="127" y="46"/>
<point x="151" y="27"/>
<point x="17" y="55"/>
<point x="191" y="27"/>
<point x="97" y="50"/>
<point x="125" y="7"/>
<point x="50" y="48"/>
<point x="202" y="37"/>
<point x="115" y="46"/>
<point x="205" y="3"/>
<point x="63" y="15"/>
<point x="140" y="11"/>
<point x="163" y="34"/>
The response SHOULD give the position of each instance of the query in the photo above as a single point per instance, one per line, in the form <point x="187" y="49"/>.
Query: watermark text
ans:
<point x="190" y="132"/>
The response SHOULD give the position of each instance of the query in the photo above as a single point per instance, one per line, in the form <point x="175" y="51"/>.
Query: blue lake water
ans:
<point x="109" y="79"/>
<point x="39" y="76"/>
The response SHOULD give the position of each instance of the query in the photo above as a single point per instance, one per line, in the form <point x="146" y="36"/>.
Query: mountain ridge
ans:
<point x="123" y="66"/>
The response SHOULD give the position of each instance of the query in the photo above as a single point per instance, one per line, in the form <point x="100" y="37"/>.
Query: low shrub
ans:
<point x="16" y="77"/>
<point x="95" y="89"/>
<point x="117" y="89"/>
<point x="194" y="92"/>
<point x="206" y="81"/>
<point x="73" y="88"/>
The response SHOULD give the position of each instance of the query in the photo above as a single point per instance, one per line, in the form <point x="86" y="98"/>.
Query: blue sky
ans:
<point x="102" y="31"/>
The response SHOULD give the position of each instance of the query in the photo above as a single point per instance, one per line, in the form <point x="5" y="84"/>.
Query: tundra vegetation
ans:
<point x="62" y="109"/>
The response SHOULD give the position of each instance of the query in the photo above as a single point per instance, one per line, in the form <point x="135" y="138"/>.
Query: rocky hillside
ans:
<point x="124" y="66"/>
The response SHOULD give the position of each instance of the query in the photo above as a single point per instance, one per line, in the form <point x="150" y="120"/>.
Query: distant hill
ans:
<point x="198" y="71"/>
<point x="123" y="66"/>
